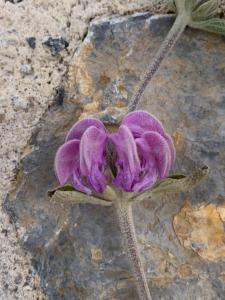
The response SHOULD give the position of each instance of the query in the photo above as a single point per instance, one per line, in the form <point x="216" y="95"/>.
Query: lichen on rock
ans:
<point x="202" y="230"/>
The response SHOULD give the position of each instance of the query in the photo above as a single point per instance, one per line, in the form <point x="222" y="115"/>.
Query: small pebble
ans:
<point x="19" y="103"/>
<point x="56" y="44"/>
<point x="26" y="69"/>
<point x="31" y="42"/>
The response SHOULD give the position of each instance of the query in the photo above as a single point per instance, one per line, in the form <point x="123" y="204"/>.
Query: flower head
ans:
<point x="144" y="153"/>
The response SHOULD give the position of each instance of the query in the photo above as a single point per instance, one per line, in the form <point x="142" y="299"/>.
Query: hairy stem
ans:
<point x="124" y="212"/>
<point x="170" y="40"/>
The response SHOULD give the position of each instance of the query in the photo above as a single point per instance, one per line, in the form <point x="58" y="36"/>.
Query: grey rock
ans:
<point x="60" y="95"/>
<point x="187" y="96"/>
<point x="31" y="42"/>
<point x="14" y="1"/>
<point x="56" y="44"/>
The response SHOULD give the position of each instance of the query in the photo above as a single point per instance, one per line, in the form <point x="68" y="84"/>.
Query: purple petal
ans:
<point x="140" y="122"/>
<point x="149" y="178"/>
<point x="79" y="128"/>
<point x="128" y="162"/>
<point x="77" y="183"/>
<point x="93" y="157"/>
<point x="154" y="148"/>
<point x="67" y="165"/>
<point x="66" y="158"/>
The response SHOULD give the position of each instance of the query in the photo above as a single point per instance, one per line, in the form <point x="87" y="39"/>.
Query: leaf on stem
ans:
<point x="205" y="11"/>
<point x="214" y="25"/>
<point x="201" y="14"/>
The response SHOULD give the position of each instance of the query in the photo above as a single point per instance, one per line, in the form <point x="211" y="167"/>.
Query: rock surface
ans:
<point x="76" y="250"/>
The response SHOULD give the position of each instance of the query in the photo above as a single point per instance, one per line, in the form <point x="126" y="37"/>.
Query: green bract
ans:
<point x="173" y="184"/>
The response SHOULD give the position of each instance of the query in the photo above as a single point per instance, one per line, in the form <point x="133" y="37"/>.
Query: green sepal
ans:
<point x="180" y="183"/>
<point x="176" y="176"/>
<point x="60" y="188"/>
<point x="173" y="184"/>
<point x="67" y="194"/>
<point x="109" y="194"/>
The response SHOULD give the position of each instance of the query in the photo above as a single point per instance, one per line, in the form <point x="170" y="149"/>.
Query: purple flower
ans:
<point x="144" y="153"/>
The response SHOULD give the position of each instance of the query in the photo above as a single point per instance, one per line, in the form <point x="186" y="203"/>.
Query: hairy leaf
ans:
<point x="205" y="11"/>
<point x="214" y="25"/>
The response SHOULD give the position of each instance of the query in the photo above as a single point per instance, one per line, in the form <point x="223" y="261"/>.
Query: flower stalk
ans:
<point x="170" y="40"/>
<point x="125" y="219"/>
<point x="193" y="13"/>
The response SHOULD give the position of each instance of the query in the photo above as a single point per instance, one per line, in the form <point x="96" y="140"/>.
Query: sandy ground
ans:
<point x="30" y="75"/>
